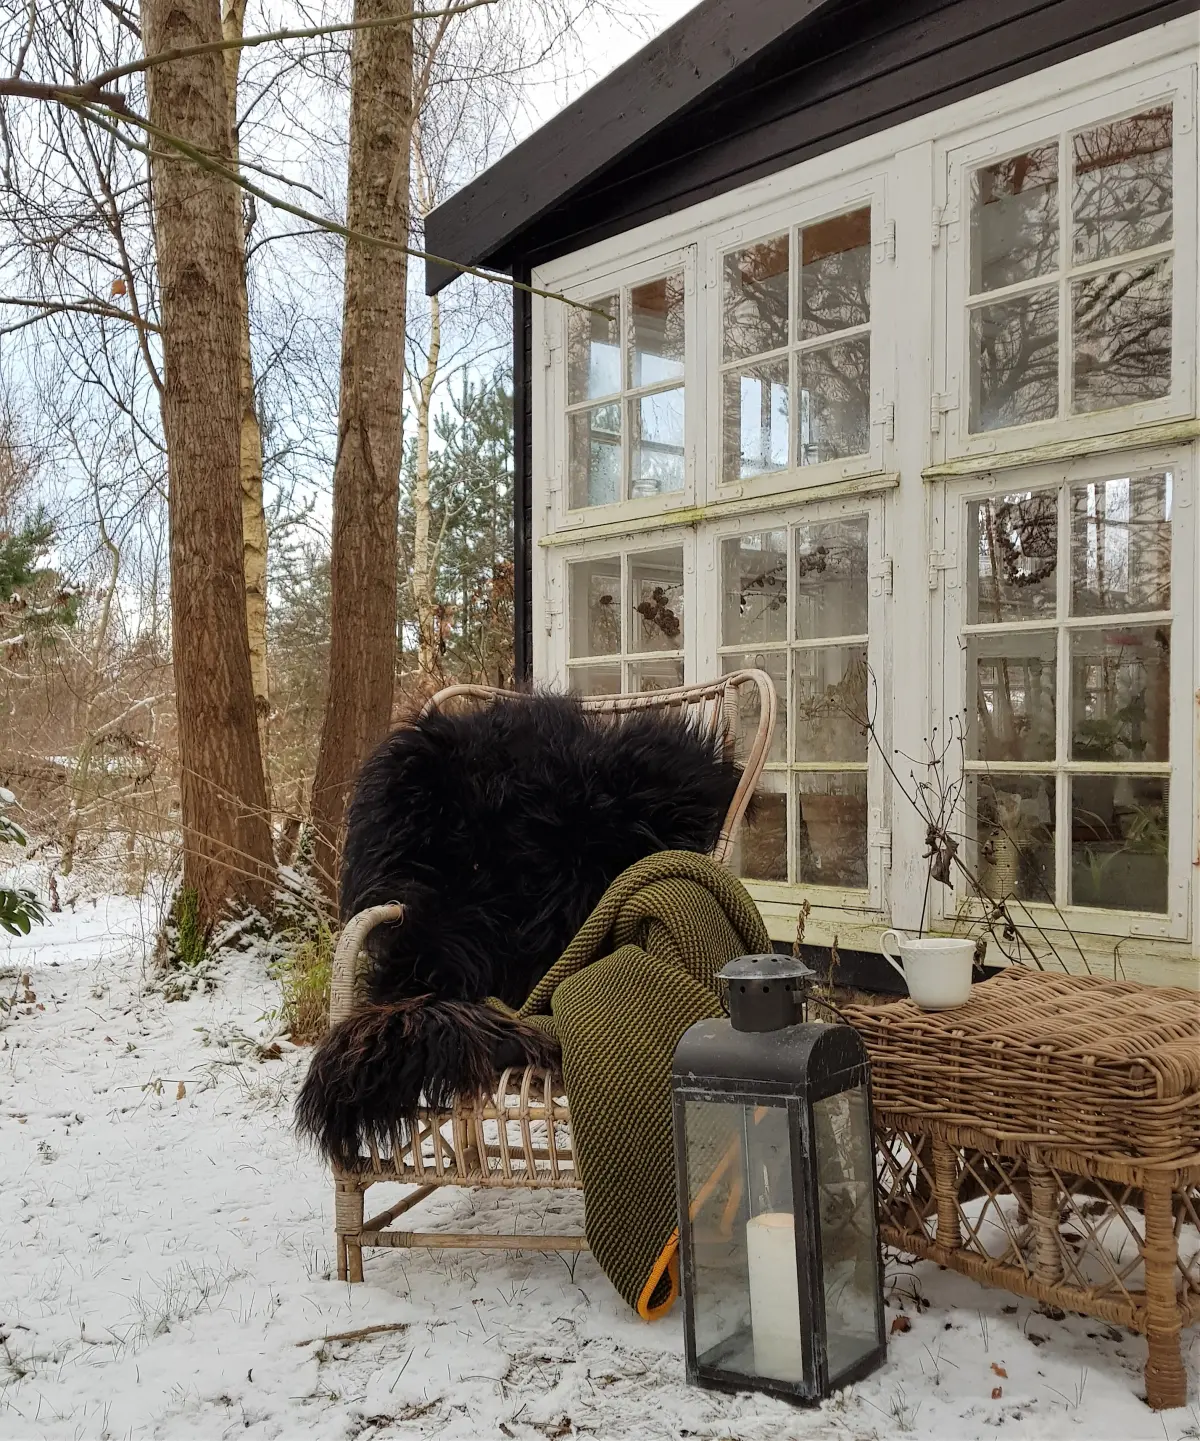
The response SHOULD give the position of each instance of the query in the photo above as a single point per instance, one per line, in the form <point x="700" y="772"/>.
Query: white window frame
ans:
<point x="711" y="654"/>
<point x="954" y="699"/>
<point x="558" y="597"/>
<point x="809" y="206"/>
<point x="595" y="286"/>
<point x="1057" y="121"/>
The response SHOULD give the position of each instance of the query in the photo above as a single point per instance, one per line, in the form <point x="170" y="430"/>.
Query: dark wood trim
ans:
<point x="623" y="111"/>
<point x="821" y="108"/>
<point x="843" y="70"/>
<point x="522" y="480"/>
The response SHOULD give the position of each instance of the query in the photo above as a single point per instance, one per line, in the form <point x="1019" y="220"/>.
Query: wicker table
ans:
<point x="1045" y="1138"/>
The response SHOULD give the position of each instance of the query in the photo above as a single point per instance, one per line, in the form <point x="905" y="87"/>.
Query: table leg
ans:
<point x="1166" y="1381"/>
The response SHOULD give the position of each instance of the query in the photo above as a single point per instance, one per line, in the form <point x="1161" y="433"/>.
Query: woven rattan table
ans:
<point x="1045" y="1138"/>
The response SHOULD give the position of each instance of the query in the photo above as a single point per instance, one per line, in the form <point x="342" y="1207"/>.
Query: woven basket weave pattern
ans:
<point x="1109" y="1068"/>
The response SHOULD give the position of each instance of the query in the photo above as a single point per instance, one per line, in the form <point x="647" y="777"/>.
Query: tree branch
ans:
<point x="81" y="307"/>
<point x="322" y="222"/>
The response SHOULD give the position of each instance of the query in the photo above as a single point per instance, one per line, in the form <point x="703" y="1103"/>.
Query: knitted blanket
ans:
<point x="640" y="971"/>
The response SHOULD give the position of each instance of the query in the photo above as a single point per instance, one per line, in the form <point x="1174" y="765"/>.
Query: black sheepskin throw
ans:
<point x="498" y="829"/>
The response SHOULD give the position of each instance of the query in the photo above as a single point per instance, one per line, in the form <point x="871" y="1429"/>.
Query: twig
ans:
<point x="358" y="1335"/>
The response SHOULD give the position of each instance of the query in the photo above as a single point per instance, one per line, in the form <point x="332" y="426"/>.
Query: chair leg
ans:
<point x="348" y="1209"/>
<point x="1166" y="1381"/>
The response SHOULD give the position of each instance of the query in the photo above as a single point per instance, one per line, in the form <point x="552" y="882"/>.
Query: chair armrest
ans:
<point x="346" y="956"/>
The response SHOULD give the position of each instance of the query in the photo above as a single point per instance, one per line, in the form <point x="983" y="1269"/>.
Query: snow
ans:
<point x="168" y="1260"/>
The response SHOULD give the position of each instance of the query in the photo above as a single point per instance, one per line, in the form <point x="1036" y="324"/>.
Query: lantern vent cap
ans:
<point x="771" y="966"/>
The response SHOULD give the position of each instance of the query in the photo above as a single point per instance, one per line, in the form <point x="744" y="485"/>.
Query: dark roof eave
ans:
<point x="481" y="223"/>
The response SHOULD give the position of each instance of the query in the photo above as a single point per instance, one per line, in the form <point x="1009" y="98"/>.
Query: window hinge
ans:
<point x="940" y="560"/>
<point x="881" y="839"/>
<point x="939" y="404"/>
<point x="885" y="416"/>
<point x="548" y="349"/>
<point x="885" y="246"/>
<point x="553" y="606"/>
<point x="942" y="217"/>
<point x="881" y="577"/>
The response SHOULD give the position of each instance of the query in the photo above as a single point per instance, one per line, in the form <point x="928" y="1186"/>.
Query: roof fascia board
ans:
<point x="666" y="77"/>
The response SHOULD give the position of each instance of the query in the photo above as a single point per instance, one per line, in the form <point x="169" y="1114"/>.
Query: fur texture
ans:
<point x="499" y="829"/>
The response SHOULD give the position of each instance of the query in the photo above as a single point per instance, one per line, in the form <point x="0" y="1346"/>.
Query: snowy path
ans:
<point x="166" y="1260"/>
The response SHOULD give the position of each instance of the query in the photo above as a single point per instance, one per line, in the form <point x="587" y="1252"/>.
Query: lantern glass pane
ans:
<point x="745" y="1289"/>
<point x="849" y="1248"/>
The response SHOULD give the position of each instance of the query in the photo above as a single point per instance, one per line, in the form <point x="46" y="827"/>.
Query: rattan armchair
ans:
<point x="520" y="1135"/>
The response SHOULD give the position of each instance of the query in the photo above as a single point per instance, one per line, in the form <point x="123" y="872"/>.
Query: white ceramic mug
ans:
<point x="936" y="969"/>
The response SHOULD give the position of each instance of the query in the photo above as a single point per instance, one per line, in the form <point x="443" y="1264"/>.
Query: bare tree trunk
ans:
<point x="226" y="835"/>
<point x="366" y="475"/>
<point x="254" y="521"/>
<point x="424" y="578"/>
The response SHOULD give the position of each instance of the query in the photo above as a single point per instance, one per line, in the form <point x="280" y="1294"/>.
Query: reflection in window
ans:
<point x="1014" y="220"/>
<point x="1121" y="545"/>
<point x="827" y="266"/>
<point x="1122" y="329"/>
<point x="1068" y="668"/>
<point x="1120" y="321"/>
<point x="1123" y="186"/>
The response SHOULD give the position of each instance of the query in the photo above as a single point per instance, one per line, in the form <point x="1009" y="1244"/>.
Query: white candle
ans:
<point x="774" y="1296"/>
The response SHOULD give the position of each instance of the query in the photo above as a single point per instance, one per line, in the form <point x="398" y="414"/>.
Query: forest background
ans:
<point x="255" y="486"/>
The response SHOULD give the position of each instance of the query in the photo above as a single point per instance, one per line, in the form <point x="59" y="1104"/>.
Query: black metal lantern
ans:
<point x="781" y="1273"/>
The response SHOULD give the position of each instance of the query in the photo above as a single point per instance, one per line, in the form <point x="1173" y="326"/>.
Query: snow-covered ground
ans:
<point x="166" y="1266"/>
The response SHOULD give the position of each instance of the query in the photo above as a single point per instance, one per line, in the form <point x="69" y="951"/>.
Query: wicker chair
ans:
<point x="520" y="1135"/>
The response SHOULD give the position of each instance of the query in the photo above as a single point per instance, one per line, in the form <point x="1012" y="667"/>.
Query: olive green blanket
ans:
<point x="641" y="970"/>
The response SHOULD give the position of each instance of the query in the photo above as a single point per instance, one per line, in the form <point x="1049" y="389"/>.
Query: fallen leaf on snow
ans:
<point x="999" y="1370"/>
<point x="901" y="1323"/>
<point x="997" y="1392"/>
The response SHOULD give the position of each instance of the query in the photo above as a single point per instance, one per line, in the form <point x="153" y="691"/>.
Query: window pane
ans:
<point x="1014" y="361"/>
<point x="656" y="331"/>
<point x="647" y="675"/>
<point x="774" y="662"/>
<point x="754" y="301"/>
<point x="1121" y="545"/>
<point x="594" y="679"/>
<point x="835" y="400"/>
<point x="1119" y="842"/>
<point x="1121" y="694"/>
<point x="593" y="350"/>
<point x="1013" y="821"/>
<point x="1014" y="219"/>
<point x="1014" y="679"/>
<point x="594" y="606"/>
<point x="1122" y="337"/>
<point x="595" y="456"/>
<point x="829" y="707"/>
<point x="761" y="850"/>
<point x="1123" y="186"/>
<point x="754" y="587"/>
<point x="1015" y="558"/>
<point x="831" y="822"/>
<point x="656" y="578"/>
<point x="831" y="579"/>
<point x="754" y="419"/>
<point x="846" y="1206"/>
<point x="657" y="422"/>
<point x="835" y="274"/>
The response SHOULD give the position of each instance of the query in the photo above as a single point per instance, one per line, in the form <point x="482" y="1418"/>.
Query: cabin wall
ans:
<point x="909" y="494"/>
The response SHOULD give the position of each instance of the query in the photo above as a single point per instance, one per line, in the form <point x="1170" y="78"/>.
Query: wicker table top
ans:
<point x="1112" y="1068"/>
